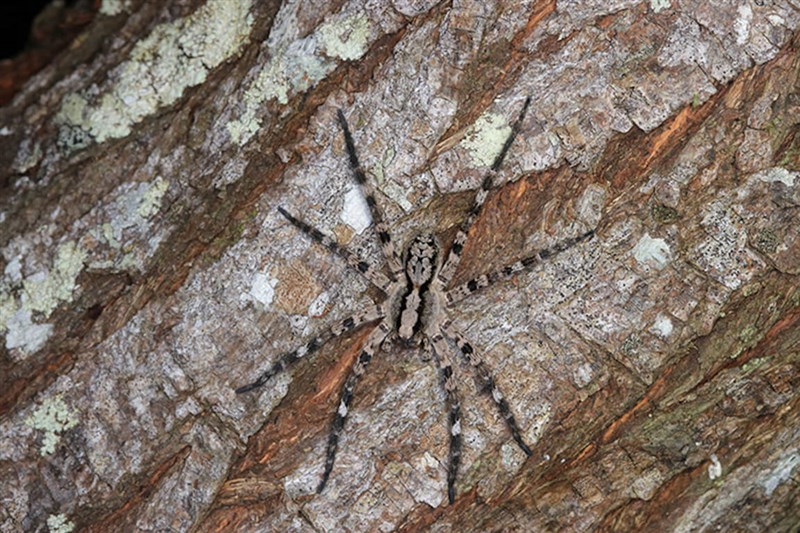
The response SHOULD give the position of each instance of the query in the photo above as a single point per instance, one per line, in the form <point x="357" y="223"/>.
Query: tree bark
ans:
<point x="147" y="274"/>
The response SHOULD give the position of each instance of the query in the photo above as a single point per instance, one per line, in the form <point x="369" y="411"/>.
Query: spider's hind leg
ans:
<point x="487" y="381"/>
<point x="314" y="344"/>
<point x="371" y="346"/>
<point x="441" y="352"/>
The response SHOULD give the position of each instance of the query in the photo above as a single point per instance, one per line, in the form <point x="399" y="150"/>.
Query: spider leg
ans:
<point x="369" y="193"/>
<point x="314" y="344"/>
<point x="462" y="291"/>
<point x="346" y="396"/>
<point x="487" y="381"/>
<point x="373" y="275"/>
<point x="441" y="352"/>
<point x="450" y="265"/>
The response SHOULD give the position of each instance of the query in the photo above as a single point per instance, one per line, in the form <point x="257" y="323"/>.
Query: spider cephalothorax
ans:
<point x="416" y="308"/>
<point x="421" y="262"/>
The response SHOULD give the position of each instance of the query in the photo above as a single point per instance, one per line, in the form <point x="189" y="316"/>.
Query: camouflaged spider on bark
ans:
<point x="416" y="307"/>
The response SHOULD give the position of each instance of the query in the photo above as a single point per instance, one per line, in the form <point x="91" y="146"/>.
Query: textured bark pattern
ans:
<point x="147" y="274"/>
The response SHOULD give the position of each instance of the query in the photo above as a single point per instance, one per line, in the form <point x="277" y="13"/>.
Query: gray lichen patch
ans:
<point x="25" y="300"/>
<point x="43" y="291"/>
<point x="778" y="174"/>
<point x="347" y="38"/>
<point x="53" y="417"/>
<point x="173" y="57"/>
<point x="652" y="252"/>
<point x="124" y="231"/>
<point x="659" y="5"/>
<point x="113" y="7"/>
<point x="58" y="523"/>
<point x="485" y="138"/>
<point x="151" y="198"/>
<point x="782" y="471"/>
<point x="296" y="65"/>
<point x="262" y="289"/>
<point x="355" y="212"/>
<point x="723" y="253"/>
<point x="25" y="335"/>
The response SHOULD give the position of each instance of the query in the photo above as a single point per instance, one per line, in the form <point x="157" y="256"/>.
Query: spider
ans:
<point x="415" y="308"/>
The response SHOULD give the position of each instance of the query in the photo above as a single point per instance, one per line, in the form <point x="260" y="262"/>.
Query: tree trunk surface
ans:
<point x="147" y="274"/>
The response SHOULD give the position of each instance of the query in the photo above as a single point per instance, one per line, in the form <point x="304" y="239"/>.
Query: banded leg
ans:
<point x="462" y="291"/>
<point x="449" y="267"/>
<point x="373" y="275"/>
<point x="314" y="344"/>
<point x="346" y="396"/>
<point x="487" y="381"/>
<point x="441" y="352"/>
<point x="369" y="194"/>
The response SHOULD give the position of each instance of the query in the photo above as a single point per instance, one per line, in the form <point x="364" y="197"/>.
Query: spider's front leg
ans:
<point x="454" y="257"/>
<point x="287" y="359"/>
<point x="382" y="230"/>
<point x="374" y="276"/>
<point x="465" y="289"/>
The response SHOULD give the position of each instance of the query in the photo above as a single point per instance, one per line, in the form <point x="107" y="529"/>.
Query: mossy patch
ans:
<point x="664" y="214"/>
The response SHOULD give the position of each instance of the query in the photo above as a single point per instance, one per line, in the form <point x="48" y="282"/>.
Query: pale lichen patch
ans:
<point x="652" y="252"/>
<point x="741" y="26"/>
<point x="53" y="417"/>
<point x="129" y="220"/>
<point x="44" y="291"/>
<point x="659" y="5"/>
<point x="662" y="326"/>
<point x="262" y="289"/>
<point x="780" y="174"/>
<point x="355" y="212"/>
<point x="58" y="523"/>
<point x="151" y="200"/>
<point x="583" y="375"/>
<point x="113" y="7"/>
<point x="299" y="65"/>
<point x="485" y="138"/>
<point x="346" y="39"/>
<point x="8" y="307"/>
<point x="715" y="468"/>
<point x="319" y="305"/>
<point x="24" y="334"/>
<point x="175" y="56"/>
<point x="781" y="472"/>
